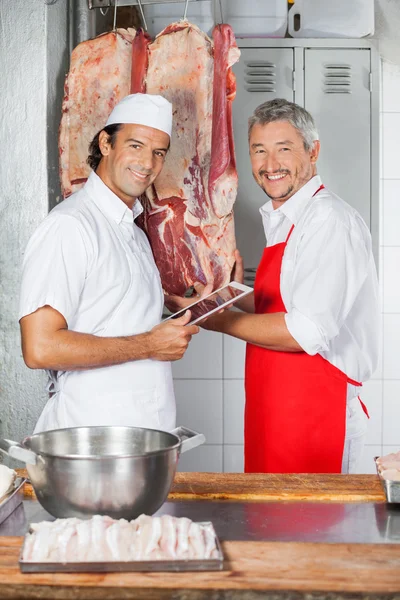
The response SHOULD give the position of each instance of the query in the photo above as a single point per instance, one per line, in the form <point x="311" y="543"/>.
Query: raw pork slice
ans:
<point x="188" y="211"/>
<point x="99" y="77"/>
<point x="104" y="539"/>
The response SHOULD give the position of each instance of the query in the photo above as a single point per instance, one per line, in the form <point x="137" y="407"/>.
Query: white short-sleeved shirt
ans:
<point x="92" y="263"/>
<point x="328" y="280"/>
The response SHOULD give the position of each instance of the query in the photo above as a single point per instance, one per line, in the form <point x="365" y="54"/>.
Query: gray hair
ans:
<point x="283" y="110"/>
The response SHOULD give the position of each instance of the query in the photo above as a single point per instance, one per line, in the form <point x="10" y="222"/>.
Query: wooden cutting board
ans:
<point x="280" y="567"/>
<point x="267" y="486"/>
<point x="271" y="487"/>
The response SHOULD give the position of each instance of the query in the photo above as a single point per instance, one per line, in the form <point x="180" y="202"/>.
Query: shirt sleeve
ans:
<point x="331" y="267"/>
<point x="54" y="267"/>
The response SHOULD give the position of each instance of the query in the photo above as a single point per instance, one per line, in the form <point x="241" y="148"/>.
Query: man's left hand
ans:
<point x="175" y="303"/>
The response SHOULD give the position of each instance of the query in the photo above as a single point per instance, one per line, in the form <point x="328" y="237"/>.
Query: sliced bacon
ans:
<point x="99" y="77"/>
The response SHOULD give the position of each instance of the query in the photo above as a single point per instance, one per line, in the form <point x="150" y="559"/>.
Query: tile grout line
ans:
<point x="223" y="401"/>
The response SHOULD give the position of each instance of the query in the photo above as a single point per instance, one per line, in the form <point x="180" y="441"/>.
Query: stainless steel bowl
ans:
<point x="117" y="471"/>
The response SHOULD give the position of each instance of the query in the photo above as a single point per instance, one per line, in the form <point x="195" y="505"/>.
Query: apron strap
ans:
<point x="321" y="187"/>
<point x="289" y="234"/>
<point x="358" y="384"/>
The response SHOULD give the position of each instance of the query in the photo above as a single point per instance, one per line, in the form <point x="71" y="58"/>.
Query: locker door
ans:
<point x="261" y="74"/>
<point x="337" y="94"/>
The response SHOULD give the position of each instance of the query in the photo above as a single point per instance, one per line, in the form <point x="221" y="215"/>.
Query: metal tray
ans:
<point x="13" y="499"/>
<point x="391" y="488"/>
<point x="210" y="564"/>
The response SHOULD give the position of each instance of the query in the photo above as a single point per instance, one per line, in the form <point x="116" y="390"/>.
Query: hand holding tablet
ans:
<point x="214" y="302"/>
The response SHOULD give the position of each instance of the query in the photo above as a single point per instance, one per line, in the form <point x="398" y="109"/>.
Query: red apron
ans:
<point x="295" y="415"/>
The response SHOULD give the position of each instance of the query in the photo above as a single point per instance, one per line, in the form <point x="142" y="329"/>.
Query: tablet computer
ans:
<point x="203" y="308"/>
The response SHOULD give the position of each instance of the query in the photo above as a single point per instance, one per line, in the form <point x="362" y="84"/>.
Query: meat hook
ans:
<point x="115" y="15"/>
<point x="142" y="14"/>
<point x="185" y="13"/>
<point x="220" y="10"/>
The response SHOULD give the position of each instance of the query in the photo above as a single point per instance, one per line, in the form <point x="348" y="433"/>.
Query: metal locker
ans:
<point x="261" y="74"/>
<point x="337" y="93"/>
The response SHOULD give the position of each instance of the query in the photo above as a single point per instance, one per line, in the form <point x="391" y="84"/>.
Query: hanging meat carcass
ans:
<point x="99" y="77"/>
<point x="188" y="211"/>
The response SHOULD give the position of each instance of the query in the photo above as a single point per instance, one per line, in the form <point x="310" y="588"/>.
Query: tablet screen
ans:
<point x="215" y="300"/>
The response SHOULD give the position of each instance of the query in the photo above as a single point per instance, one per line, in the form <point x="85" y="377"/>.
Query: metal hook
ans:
<point x="185" y="13"/>
<point x="142" y="14"/>
<point x="104" y="11"/>
<point x="220" y="10"/>
<point x="115" y="15"/>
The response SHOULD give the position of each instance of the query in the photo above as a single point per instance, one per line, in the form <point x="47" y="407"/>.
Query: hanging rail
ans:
<point x="111" y="3"/>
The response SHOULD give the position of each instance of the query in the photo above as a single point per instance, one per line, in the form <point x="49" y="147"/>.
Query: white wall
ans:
<point x="23" y="194"/>
<point x="209" y="380"/>
<point x="33" y="43"/>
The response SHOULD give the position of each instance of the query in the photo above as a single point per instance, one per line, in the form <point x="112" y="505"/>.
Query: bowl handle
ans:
<point x="189" y="438"/>
<point x="17" y="451"/>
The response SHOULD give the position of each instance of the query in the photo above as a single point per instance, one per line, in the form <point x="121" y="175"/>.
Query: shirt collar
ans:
<point x="109" y="203"/>
<point x="293" y="208"/>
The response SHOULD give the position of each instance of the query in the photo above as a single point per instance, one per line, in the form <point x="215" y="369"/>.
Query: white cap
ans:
<point x="143" y="109"/>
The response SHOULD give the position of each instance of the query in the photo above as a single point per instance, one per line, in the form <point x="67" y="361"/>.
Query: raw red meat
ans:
<point x="188" y="211"/>
<point x="99" y="77"/>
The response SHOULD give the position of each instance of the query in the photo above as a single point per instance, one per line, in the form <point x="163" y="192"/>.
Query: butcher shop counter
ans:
<point x="283" y="537"/>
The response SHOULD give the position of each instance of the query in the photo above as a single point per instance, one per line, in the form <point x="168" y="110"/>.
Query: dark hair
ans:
<point x="95" y="154"/>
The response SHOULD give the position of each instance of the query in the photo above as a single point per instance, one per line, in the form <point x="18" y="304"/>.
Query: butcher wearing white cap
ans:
<point x="91" y="296"/>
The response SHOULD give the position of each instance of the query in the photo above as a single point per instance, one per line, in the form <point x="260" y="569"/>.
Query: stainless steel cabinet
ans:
<point x="335" y="84"/>
<point x="261" y="74"/>
<point x="337" y="94"/>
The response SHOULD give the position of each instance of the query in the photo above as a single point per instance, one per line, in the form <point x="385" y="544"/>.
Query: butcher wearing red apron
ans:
<point x="313" y="320"/>
<point x="295" y="414"/>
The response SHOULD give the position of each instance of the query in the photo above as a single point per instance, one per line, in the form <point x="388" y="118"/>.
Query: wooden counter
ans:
<point x="271" y="487"/>
<point x="276" y="570"/>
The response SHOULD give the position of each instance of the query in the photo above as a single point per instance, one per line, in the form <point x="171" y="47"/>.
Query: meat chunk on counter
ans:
<point x="104" y="539"/>
<point x="389" y="466"/>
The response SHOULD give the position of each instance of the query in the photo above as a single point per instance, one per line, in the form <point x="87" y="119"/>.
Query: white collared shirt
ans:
<point x="328" y="279"/>
<point x="90" y="261"/>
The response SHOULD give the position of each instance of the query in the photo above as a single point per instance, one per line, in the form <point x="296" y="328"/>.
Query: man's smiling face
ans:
<point x="135" y="160"/>
<point x="280" y="163"/>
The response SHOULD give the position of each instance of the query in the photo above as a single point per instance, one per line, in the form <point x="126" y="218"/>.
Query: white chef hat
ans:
<point x="143" y="109"/>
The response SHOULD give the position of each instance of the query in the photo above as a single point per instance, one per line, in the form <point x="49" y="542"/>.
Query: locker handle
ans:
<point x="337" y="91"/>
<point x="257" y="64"/>
<point x="260" y="89"/>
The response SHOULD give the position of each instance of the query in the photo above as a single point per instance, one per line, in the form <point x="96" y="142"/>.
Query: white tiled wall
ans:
<point x="209" y="380"/>
<point x="390" y="261"/>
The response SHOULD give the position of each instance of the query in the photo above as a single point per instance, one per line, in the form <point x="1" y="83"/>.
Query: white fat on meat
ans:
<point x="168" y="537"/>
<point x="149" y="534"/>
<point x="197" y="545"/>
<point x="102" y="539"/>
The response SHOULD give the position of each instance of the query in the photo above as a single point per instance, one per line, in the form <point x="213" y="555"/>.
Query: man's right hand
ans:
<point x="169" y="340"/>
